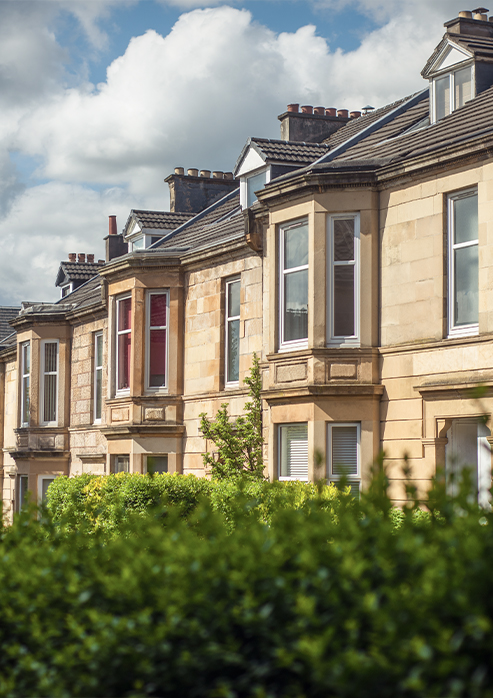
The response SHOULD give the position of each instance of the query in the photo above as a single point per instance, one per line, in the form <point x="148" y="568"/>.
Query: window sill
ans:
<point x="465" y="331"/>
<point x="293" y="479"/>
<point x="295" y="346"/>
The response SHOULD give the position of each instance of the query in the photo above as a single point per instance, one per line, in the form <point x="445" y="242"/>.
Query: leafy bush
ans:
<point x="311" y="605"/>
<point x="107" y="502"/>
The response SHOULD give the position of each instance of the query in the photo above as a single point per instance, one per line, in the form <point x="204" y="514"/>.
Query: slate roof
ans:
<point x="289" y="152"/>
<point x="213" y="224"/>
<point x="76" y="271"/>
<point x="87" y="294"/>
<point x="159" y="220"/>
<point x="7" y="313"/>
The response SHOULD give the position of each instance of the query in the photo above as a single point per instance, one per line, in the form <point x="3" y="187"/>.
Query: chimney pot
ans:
<point x="179" y="170"/>
<point x="100" y="261"/>
<point x="481" y="17"/>
<point x="466" y="14"/>
<point x="330" y="111"/>
<point x="112" y="223"/>
<point x="205" y="173"/>
<point x="319" y="110"/>
<point x="193" y="172"/>
<point x="355" y="114"/>
<point x="72" y="257"/>
<point x="217" y="174"/>
<point x="294" y="108"/>
<point x="228" y="175"/>
<point x="307" y="109"/>
<point x="342" y="113"/>
<point x="81" y="257"/>
<point x="90" y="258"/>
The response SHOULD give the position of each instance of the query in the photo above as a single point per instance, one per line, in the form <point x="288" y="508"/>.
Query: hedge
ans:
<point x="106" y="502"/>
<point x="310" y="605"/>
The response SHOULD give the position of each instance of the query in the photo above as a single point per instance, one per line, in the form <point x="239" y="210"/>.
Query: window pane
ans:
<point x="121" y="464"/>
<point x="344" y="301"/>
<point x="49" y="405"/>
<point x="99" y="350"/>
<point x="343" y="240"/>
<point x="296" y="305"/>
<point x="442" y="97"/>
<point x="26" y="358"/>
<point x="296" y="247"/>
<point x="234" y="298"/>
<point x="45" y="483"/>
<point x="466" y="285"/>
<point x="294" y="451"/>
<point x="99" y="394"/>
<point x="466" y="219"/>
<point x="50" y="357"/>
<point x="124" y="345"/>
<point x="22" y="490"/>
<point x="157" y="358"/>
<point x="157" y="464"/>
<point x="124" y="314"/>
<point x="25" y="399"/>
<point x="255" y="183"/>
<point x="462" y="79"/>
<point x="345" y="450"/>
<point x="158" y="310"/>
<point x="233" y="373"/>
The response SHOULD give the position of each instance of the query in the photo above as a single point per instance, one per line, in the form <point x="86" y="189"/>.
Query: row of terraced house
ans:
<point x="354" y="255"/>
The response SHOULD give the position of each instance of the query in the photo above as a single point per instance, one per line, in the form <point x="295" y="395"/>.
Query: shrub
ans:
<point x="311" y="605"/>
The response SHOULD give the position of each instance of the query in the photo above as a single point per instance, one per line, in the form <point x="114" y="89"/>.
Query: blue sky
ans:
<point x="101" y="99"/>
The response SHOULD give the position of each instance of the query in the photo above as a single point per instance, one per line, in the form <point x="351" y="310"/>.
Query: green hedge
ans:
<point x="106" y="502"/>
<point x="311" y="605"/>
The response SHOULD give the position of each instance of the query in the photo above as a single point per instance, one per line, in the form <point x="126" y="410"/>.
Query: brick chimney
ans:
<point x="311" y="124"/>
<point x="115" y="243"/>
<point x="191" y="192"/>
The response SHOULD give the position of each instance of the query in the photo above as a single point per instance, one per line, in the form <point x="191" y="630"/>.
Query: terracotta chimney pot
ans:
<point x="342" y="113"/>
<point x="355" y="114"/>
<point x="319" y="110"/>
<point x="179" y="170"/>
<point x="72" y="257"/>
<point x="294" y="108"/>
<point x="81" y="257"/>
<point x="228" y="175"/>
<point x="205" y="173"/>
<point x="466" y="14"/>
<point x="112" y="222"/>
<point x="90" y="258"/>
<point x="100" y="261"/>
<point x="217" y="174"/>
<point x="307" y="109"/>
<point x="330" y="111"/>
<point x="193" y="172"/>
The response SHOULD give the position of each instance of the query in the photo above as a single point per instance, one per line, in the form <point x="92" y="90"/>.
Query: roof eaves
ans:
<point x="371" y="128"/>
<point x="241" y="156"/>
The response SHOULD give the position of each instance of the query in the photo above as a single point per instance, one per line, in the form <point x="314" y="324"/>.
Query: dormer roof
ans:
<point x="258" y="152"/>
<point x="154" y="222"/>
<point x="68" y="272"/>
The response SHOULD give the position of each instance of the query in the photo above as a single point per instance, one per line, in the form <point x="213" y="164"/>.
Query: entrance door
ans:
<point x="468" y="447"/>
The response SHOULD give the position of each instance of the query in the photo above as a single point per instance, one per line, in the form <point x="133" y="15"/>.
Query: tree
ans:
<point x="239" y="443"/>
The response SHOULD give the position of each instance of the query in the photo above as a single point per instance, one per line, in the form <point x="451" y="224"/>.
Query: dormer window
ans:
<point x="451" y="91"/>
<point x="254" y="182"/>
<point x="142" y="242"/>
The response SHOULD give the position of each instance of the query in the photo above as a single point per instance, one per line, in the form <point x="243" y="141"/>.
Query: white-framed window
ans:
<point x="157" y="340"/>
<point x="142" y="242"/>
<point x="98" y="376"/>
<point x="252" y="182"/>
<point x="463" y="263"/>
<point x="451" y="91"/>
<point x="293" y="291"/>
<point x="293" y="451"/>
<point x="123" y="343"/>
<point x="49" y="382"/>
<point x="156" y="464"/>
<point x="26" y="382"/>
<point x="343" y="454"/>
<point x="468" y="449"/>
<point x="44" y="481"/>
<point x="21" y="490"/>
<point x="232" y="339"/>
<point x="343" y="274"/>
<point x="120" y="464"/>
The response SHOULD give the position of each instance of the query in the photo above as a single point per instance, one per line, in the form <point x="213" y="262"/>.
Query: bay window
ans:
<point x="463" y="263"/>
<point x="123" y="342"/>
<point x="49" y="382"/>
<point x="26" y="382"/>
<point x="293" y="292"/>
<point x="157" y="339"/>
<point x="343" y="237"/>
<point x="232" y="353"/>
<point x="293" y="451"/>
<point x="343" y="449"/>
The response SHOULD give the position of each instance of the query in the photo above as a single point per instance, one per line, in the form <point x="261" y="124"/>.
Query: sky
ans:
<point x="101" y="99"/>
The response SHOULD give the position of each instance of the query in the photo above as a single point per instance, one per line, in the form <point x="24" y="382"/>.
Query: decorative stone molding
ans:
<point x="154" y="413"/>
<point x="287" y="373"/>
<point x="341" y="371"/>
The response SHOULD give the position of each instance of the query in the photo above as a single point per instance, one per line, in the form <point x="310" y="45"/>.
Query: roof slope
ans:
<point x="289" y="152"/>
<point x="160" y="220"/>
<point x="86" y="295"/>
<point x="7" y="313"/>
<point x="76" y="271"/>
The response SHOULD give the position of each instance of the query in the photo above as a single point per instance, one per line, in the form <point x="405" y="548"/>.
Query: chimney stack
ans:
<point x="81" y="257"/>
<point x="311" y="124"/>
<point x="115" y="243"/>
<point x="196" y="190"/>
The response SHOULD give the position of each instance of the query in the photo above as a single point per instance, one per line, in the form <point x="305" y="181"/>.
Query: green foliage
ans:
<point x="106" y="503"/>
<point x="238" y="443"/>
<point x="312" y="605"/>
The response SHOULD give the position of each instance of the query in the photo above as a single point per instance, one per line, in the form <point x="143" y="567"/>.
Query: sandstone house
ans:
<point x="354" y="255"/>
